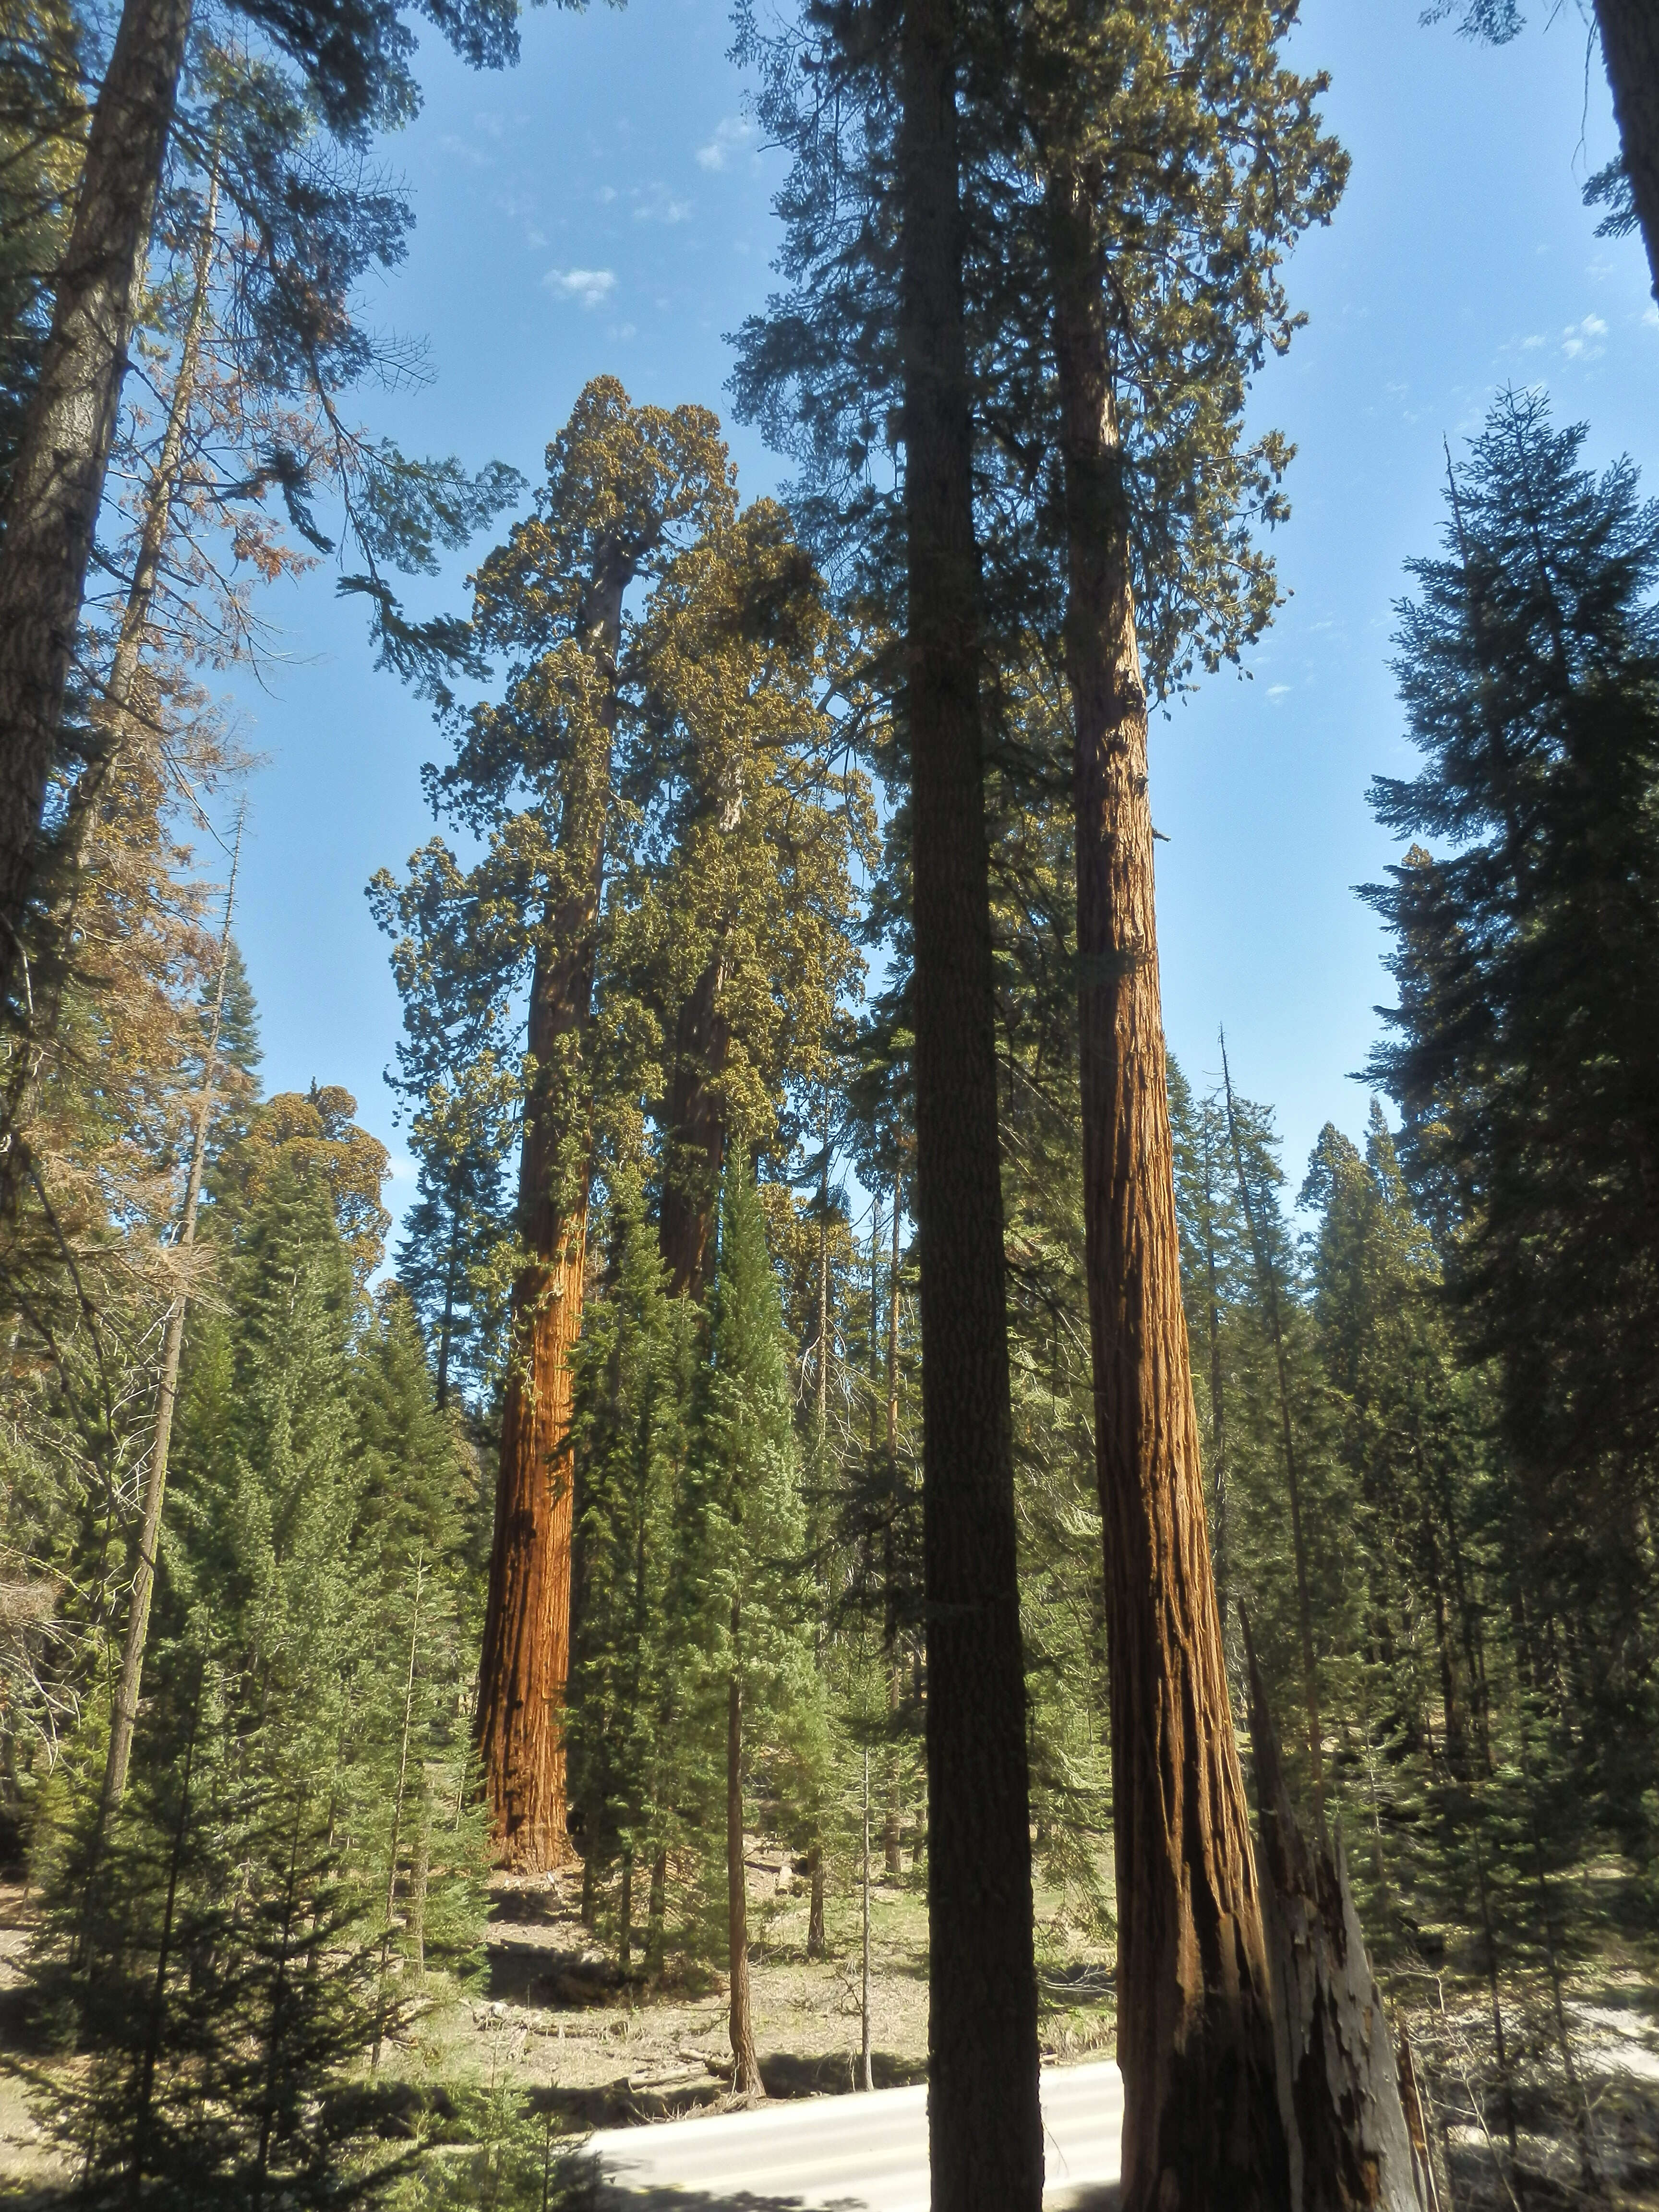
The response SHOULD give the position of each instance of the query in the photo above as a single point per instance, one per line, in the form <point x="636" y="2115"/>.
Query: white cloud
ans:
<point x="605" y="194"/>
<point x="1580" y="339"/>
<point x="1279" y="690"/>
<point x="731" y="135"/>
<point x="589" y="286"/>
<point x="1652" y="315"/>
<point x="655" y="203"/>
<point x="1531" y="344"/>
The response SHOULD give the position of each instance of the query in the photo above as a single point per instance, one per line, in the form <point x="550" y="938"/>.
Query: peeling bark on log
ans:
<point x="1339" y="2088"/>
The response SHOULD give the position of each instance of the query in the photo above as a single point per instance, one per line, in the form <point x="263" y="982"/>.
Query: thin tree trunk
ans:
<point x="625" y="1919"/>
<point x="277" y="2025"/>
<point x="397" y="1816"/>
<point x="815" y="1934"/>
<point x="526" y="1644"/>
<point x="891" y="1834"/>
<point x="446" y="1330"/>
<point x="1267" y="1283"/>
<point x="1500" y="2041"/>
<point x="1630" y="47"/>
<point x="867" y="2080"/>
<point x="125" y="1714"/>
<point x="985" y="2125"/>
<point x="1201" y="2124"/>
<point x="821" y="1368"/>
<point x="57" y="480"/>
<point x="163" y="1960"/>
<point x="893" y="1838"/>
<point x="417" y="1886"/>
<point x="745" y="2066"/>
<point x="1218" y="1403"/>
<point x="656" y="1919"/>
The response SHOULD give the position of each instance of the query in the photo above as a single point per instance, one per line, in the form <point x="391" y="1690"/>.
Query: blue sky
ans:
<point x="606" y="207"/>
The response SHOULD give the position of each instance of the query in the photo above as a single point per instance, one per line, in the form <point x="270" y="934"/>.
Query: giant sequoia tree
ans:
<point x="1129" y="181"/>
<point x="1134" y="239"/>
<point x="535" y="775"/>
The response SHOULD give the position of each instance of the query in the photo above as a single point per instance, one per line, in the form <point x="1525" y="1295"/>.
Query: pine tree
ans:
<point x="742" y="1570"/>
<point x="629" y="1429"/>
<point x="1522" y="1047"/>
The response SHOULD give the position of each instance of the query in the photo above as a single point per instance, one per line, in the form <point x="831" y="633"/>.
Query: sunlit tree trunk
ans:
<point x="745" y="2066"/>
<point x="527" y="1644"/>
<point x="57" y="481"/>
<point x="1201" y="2126"/>
<point x="985" y="2125"/>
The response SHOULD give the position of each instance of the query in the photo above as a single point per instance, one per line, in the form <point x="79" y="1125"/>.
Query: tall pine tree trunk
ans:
<point x="58" y="483"/>
<point x="526" y="1644"/>
<point x="1630" y="47"/>
<point x="125" y="1715"/>
<point x="1201" y="2126"/>
<point x="985" y="2124"/>
<point x="745" y="2066"/>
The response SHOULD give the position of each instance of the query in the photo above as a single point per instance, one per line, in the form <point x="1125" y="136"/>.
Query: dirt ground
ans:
<point x="556" y="2015"/>
<point x="553" y="2014"/>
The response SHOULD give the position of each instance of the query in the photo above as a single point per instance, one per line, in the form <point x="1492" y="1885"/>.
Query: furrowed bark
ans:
<point x="984" y="2122"/>
<point x="1201" y="2127"/>
<point x="58" y="484"/>
<point x="1630" y="47"/>
<point x="526" y="1644"/>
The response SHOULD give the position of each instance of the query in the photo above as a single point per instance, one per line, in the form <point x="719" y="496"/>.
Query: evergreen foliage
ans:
<point x="1521" y="1051"/>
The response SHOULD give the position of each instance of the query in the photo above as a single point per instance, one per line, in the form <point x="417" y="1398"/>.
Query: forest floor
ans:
<point x="553" y="2016"/>
<point x="556" y="2015"/>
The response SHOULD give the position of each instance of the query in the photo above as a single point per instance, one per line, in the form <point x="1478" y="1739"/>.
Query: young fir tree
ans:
<point x="740" y="1582"/>
<point x="294" y="1850"/>
<point x="629" y="1429"/>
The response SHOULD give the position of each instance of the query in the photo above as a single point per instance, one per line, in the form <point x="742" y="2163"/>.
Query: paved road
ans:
<point x="853" y="2154"/>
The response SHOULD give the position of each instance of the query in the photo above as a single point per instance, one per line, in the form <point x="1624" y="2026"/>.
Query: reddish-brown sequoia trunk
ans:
<point x="526" y="1642"/>
<point x="1630" y="47"/>
<point x="985" y="2126"/>
<point x="1202" y="2125"/>
<point x="58" y="484"/>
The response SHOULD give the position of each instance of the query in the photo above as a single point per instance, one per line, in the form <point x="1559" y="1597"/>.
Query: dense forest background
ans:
<point x="300" y="1645"/>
